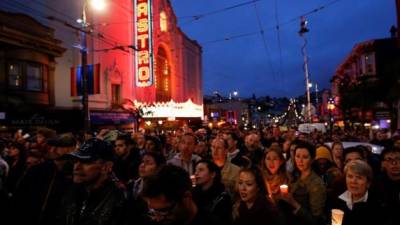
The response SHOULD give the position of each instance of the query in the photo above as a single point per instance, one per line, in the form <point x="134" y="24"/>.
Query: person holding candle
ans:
<point x="274" y="171"/>
<point x="254" y="207"/>
<point x="307" y="193"/>
<point x="359" y="204"/>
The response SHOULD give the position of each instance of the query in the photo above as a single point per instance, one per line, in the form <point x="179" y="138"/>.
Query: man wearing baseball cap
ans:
<point x="94" y="199"/>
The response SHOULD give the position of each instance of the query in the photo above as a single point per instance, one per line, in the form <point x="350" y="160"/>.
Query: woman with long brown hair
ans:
<point x="254" y="207"/>
<point x="273" y="168"/>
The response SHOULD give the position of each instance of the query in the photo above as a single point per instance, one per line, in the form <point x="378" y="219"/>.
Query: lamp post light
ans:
<point x="331" y="106"/>
<point x="98" y="5"/>
<point x="303" y="30"/>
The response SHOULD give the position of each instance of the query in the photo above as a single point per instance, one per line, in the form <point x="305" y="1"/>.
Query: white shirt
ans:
<point x="346" y="196"/>
<point x="232" y="155"/>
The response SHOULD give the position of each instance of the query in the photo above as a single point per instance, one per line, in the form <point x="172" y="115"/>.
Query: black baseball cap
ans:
<point x="94" y="149"/>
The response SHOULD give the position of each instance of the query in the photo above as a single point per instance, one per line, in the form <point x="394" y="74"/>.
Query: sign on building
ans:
<point x="143" y="43"/>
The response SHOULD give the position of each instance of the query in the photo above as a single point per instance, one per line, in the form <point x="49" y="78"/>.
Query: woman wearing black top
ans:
<point x="254" y="207"/>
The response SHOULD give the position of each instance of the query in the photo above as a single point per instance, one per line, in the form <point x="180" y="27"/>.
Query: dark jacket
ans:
<point x="104" y="206"/>
<point x="362" y="213"/>
<point x="127" y="169"/>
<point x="310" y="193"/>
<point x="261" y="213"/>
<point x="204" y="218"/>
<point x="16" y="174"/>
<point x="39" y="194"/>
<point x="389" y="193"/>
<point x="214" y="200"/>
<point x="240" y="160"/>
<point x="255" y="156"/>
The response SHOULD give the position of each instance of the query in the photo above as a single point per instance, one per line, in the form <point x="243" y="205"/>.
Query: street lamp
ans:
<point x="331" y="106"/>
<point x="303" y="30"/>
<point x="98" y="5"/>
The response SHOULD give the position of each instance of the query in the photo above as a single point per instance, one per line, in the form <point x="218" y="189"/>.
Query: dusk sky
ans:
<point x="247" y="65"/>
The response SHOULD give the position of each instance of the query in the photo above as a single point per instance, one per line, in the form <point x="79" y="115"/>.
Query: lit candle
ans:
<point x="337" y="216"/>
<point x="193" y="178"/>
<point x="284" y="188"/>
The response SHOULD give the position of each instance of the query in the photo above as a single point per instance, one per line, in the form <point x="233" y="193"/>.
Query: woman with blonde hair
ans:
<point x="359" y="204"/>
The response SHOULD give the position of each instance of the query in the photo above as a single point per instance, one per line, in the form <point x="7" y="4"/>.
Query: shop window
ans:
<point x="34" y="77"/>
<point x="369" y="63"/>
<point x="15" y="75"/>
<point x="163" y="77"/>
<point x="27" y="76"/>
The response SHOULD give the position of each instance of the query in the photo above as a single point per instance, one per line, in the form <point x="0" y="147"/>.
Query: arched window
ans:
<point x="163" y="77"/>
<point x="163" y="21"/>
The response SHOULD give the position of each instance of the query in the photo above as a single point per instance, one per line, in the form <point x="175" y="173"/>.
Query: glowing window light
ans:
<point x="171" y="108"/>
<point x="163" y="21"/>
<point x="376" y="127"/>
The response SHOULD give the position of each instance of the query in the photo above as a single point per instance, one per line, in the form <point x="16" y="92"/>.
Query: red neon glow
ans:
<point x="143" y="44"/>
<point x="176" y="58"/>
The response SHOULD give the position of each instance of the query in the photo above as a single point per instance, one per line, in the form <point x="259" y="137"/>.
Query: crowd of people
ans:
<point x="205" y="176"/>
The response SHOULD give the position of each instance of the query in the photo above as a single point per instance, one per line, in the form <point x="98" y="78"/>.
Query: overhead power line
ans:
<point x="16" y="5"/>
<point x="190" y="18"/>
<point x="202" y="15"/>
<point x="294" y="19"/>
<point x="262" y="33"/>
<point x="281" y="74"/>
<point x="231" y="37"/>
<point x="74" y="19"/>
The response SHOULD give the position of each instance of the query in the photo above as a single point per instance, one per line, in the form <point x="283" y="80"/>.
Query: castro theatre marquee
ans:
<point x="167" y="64"/>
<point x="154" y="64"/>
<point x="135" y="52"/>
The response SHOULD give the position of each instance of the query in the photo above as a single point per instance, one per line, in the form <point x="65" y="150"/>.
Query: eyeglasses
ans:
<point x="393" y="160"/>
<point x="161" y="213"/>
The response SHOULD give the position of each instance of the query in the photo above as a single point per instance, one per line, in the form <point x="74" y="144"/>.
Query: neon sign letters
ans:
<point x="143" y="43"/>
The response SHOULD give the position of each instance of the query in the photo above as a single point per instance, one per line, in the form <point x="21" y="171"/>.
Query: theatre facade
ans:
<point x="136" y="54"/>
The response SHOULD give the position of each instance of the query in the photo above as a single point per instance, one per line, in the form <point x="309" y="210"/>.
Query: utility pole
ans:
<point x="398" y="45"/>
<point x="303" y="30"/>
<point x="398" y="17"/>
<point x="316" y="95"/>
<point x="85" y="95"/>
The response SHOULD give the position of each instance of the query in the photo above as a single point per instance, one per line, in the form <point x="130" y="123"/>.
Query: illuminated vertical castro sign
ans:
<point x="143" y="43"/>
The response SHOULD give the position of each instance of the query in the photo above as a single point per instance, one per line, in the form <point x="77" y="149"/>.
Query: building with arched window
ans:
<point x="135" y="51"/>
